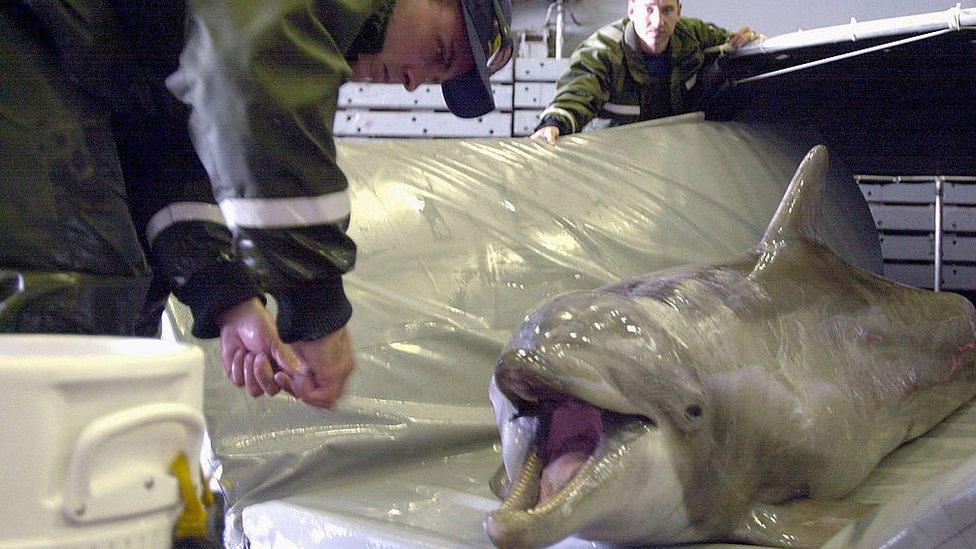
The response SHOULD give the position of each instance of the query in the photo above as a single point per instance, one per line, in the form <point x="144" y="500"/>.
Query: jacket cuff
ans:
<point x="310" y="311"/>
<point x="215" y="288"/>
<point x="556" y="121"/>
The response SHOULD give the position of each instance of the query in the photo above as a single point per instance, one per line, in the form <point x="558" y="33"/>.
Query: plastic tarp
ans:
<point x="457" y="240"/>
<point x="925" y="492"/>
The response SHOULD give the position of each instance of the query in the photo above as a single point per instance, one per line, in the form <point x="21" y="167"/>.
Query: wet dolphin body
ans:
<point x="661" y="409"/>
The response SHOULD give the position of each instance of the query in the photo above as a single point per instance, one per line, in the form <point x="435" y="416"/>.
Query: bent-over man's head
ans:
<point x="459" y="43"/>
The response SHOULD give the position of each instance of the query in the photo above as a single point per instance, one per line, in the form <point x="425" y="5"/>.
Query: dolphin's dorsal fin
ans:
<point x="801" y="205"/>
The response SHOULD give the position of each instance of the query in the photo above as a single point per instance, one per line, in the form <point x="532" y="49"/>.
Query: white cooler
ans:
<point x="89" y="427"/>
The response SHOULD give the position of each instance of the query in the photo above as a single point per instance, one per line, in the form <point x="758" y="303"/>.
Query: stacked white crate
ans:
<point x="535" y="86"/>
<point x="904" y="211"/>
<point x="388" y="110"/>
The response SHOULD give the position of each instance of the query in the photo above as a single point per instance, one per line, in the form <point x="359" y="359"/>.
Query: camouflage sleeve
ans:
<point x="708" y="34"/>
<point x="585" y="86"/>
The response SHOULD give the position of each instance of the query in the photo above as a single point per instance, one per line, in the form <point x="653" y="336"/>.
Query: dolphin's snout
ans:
<point x="580" y="392"/>
<point x="509" y="530"/>
<point x="523" y="521"/>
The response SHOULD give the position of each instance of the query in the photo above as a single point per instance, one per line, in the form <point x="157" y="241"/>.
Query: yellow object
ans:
<point x="192" y="522"/>
<point x="206" y="494"/>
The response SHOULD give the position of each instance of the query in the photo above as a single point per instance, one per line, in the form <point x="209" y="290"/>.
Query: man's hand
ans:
<point x="743" y="36"/>
<point x="546" y="134"/>
<point x="326" y="363"/>
<point x="251" y="349"/>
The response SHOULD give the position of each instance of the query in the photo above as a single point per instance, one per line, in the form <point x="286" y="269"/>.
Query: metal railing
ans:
<point x="939" y="182"/>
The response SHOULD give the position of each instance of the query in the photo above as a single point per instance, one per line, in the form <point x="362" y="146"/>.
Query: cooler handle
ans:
<point x="140" y="495"/>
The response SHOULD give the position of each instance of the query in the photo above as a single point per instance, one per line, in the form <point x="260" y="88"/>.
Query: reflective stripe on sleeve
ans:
<point x="630" y="110"/>
<point x="178" y="212"/>
<point x="277" y="213"/>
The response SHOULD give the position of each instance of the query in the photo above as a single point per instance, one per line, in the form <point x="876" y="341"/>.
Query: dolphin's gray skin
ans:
<point x="661" y="409"/>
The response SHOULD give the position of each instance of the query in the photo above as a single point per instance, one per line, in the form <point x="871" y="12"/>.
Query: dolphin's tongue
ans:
<point x="575" y="428"/>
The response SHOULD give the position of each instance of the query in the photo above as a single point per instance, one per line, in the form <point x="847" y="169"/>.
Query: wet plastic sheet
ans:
<point x="457" y="240"/>
<point x="924" y="493"/>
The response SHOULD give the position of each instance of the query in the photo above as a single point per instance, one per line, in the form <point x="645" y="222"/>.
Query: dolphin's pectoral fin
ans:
<point x="798" y="523"/>
<point x="499" y="483"/>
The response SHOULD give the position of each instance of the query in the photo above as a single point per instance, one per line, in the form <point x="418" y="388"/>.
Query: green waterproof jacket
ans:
<point x="262" y="78"/>
<point x="108" y="205"/>
<point x="607" y="76"/>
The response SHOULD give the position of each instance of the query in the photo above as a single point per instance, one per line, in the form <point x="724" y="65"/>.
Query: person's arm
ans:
<point x="189" y="246"/>
<point x="707" y="34"/>
<point x="173" y="211"/>
<point x="583" y="89"/>
<point x="710" y="35"/>
<point x="262" y="79"/>
<point x="744" y="36"/>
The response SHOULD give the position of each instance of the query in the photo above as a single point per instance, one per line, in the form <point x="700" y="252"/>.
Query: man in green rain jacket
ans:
<point x="108" y="206"/>
<point x="641" y="67"/>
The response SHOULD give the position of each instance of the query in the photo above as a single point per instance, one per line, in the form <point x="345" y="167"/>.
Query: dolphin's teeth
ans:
<point x="525" y="492"/>
<point x="509" y="524"/>
<point x="514" y="525"/>
<point x="558" y="472"/>
<point x="561" y="496"/>
<point x="511" y="529"/>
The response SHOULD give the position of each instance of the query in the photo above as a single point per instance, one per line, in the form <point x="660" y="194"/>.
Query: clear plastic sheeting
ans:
<point x="438" y="502"/>
<point x="925" y="493"/>
<point x="458" y="239"/>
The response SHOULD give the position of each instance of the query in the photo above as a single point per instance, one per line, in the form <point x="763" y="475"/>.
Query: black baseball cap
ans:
<point x="489" y="26"/>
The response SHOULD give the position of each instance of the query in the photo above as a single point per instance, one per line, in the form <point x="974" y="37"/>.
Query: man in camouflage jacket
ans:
<point x="641" y="67"/>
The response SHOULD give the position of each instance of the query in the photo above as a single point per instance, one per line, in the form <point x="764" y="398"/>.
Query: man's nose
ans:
<point x="414" y="77"/>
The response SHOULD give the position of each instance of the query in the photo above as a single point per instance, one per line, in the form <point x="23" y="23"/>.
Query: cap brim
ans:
<point x="469" y="95"/>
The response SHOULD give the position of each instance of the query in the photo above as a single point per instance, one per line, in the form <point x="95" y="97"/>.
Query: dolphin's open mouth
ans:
<point x="571" y="431"/>
<point x="573" y="438"/>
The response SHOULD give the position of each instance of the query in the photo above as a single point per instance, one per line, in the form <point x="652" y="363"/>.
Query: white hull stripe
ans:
<point x="178" y="212"/>
<point x="279" y="213"/>
<point x="630" y="110"/>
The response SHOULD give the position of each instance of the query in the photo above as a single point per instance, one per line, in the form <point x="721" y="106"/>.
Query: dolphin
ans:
<point x="662" y="409"/>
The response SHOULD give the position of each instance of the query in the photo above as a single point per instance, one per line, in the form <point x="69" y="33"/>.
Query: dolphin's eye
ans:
<point x="694" y="411"/>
